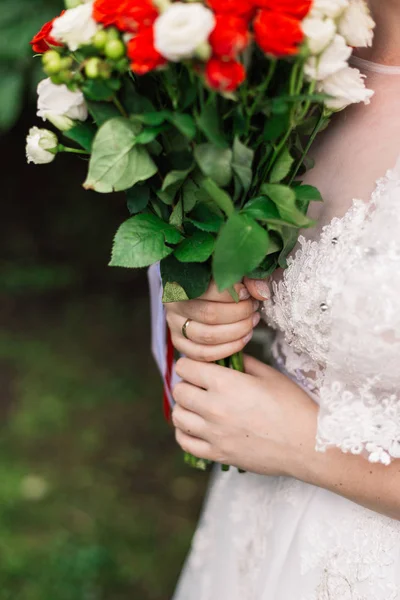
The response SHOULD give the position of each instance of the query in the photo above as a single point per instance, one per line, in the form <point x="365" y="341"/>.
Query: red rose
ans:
<point x="133" y="15"/>
<point x="294" y="8"/>
<point x="277" y="34"/>
<point x="239" y="8"/>
<point x="126" y="15"/>
<point x="142" y="53"/>
<point x="229" y="36"/>
<point x="224" y="76"/>
<point x="43" y="40"/>
<point x="106" y="11"/>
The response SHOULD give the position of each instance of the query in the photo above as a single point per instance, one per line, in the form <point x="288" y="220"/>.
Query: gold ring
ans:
<point x="184" y="328"/>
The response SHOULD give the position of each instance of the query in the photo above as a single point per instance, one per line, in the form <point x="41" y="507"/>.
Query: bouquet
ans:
<point x="204" y="113"/>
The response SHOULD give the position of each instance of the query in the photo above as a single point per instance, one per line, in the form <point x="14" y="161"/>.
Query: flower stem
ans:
<point x="120" y="107"/>
<point x="62" y="148"/>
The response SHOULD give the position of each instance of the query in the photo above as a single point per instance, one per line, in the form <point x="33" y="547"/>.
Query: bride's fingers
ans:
<point x="213" y="313"/>
<point x="208" y="353"/>
<point x="189" y="422"/>
<point x="212" y="335"/>
<point x="215" y="296"/>
<point x="193" y="445"/>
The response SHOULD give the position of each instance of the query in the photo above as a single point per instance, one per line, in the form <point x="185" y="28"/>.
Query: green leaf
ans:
<point x="102" y="111"/>
<point x="176" y="217"/>
<point x="184" y="123"/>
<point x="154" y="118"/>
<point x="98" y="90"/>
<point x="173" y="292"/>
<point x="190" y="195"/>
<point x="209" y="123"/>
<point x="290" y="237"/>
<point x="242" y="162"/>
<point x="193" y="278"/>
<point x="266" y="268"/>
<point x="241" y="246"/>
<point x="307" y="193"/>
<point x="137" y="198"/>
<point x="263" y="209"/>
<point x="141" y="241"/>
<point x="205" y="219"/>
<point x="149" y="134"/>
<point x="274" y="127"/>
<point x="197" y="248"/>
<point x="220" y="197"/>
<point x="117" y="163"/>
<point x="11" y="92"/>
<point x="215" y="163"/>
<point x="83" y="134"/>
<point x="285" y="199"/>
<point x="133" y="102"/>
<point x="282" y="166"/>
<point x="173" y="178"/>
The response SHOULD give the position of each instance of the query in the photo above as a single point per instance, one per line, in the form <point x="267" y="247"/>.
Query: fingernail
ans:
<point x="263" y="289"/>
<point x="248" y="337"/>
<point x="256" y="319"/>
<point x="256" y="305"/>
<point x="244" y="294"/>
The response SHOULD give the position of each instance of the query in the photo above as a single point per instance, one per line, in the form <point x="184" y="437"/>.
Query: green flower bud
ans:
<point x="72" y="3"/>
<point x="56" y="79"/>
<point x="105" y="71"/>
<point x="114" y="49"/>
<point x="204" y="51"/>
<point x="51" y="62"/>
<point x="100" y="39"/>
<point x="66" y="63"/>
<point x="50" y="56"/>
<point x="113" y="33"/>
<point x="92" y="67"/>
<point x="66" y="76"/>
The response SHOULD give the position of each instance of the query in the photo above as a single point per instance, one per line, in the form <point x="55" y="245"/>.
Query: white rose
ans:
<point x="347" y="87"/>
<point x="38" y="144"/>
<point x="319" y="33"/>
<point x="328" y="8"/>
<point x="59" y="105"/>
<point x="75" y="27"/>
<point x="356" y="25"/>
<point x="333" y="59"/>
<point x="181" y="29"/>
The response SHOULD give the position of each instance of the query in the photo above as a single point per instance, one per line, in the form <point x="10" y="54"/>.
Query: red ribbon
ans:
<point x="168" y="376"/>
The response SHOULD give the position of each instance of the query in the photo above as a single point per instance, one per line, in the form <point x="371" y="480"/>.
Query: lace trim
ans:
<point x="358" y="414"/>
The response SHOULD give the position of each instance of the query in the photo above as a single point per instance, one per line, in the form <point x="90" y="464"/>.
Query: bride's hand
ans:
<point x="218" y="326"/>
<point x="259" y="421"/>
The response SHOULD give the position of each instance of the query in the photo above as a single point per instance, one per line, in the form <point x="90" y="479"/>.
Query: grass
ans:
<point x="95" y="502"/>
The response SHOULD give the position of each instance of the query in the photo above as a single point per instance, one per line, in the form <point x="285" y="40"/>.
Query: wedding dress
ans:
<point x="336" y="310"/>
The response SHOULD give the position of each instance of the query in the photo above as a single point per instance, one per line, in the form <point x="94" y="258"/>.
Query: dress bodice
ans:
<point x="301" y="305"/>
<point x="338" y="332"/>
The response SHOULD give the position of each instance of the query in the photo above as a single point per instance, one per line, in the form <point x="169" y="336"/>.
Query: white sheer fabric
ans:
<point x="337" y="314"/>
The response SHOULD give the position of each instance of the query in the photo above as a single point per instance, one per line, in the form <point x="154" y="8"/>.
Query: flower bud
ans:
<point x="114" y="49"/>
<point x="41" y="146"/>
<point x="104" y="70"/>
<point x="73" y="3"/>
<point x="204" y="51"/>
<point x="92" y="68"/>
<point x="113" y="33"/>
<point x="100" y="39"/>
<point x="51" y="62"/>
<point x="62" y="122"/>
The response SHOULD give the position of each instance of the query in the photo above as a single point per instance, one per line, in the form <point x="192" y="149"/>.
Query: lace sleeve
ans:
<point x="360" y="395"/>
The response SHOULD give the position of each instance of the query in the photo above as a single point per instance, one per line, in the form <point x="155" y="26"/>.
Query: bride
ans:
<point x="316" y="516"/>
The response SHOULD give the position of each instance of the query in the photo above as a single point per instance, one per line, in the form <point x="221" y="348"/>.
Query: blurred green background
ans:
<point x="95" y="503"/>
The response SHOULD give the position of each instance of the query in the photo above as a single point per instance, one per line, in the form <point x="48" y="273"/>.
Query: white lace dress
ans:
<point x="337" y="314"/>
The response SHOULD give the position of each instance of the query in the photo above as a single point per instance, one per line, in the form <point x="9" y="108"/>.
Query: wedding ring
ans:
<point x="184" y="328"/>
